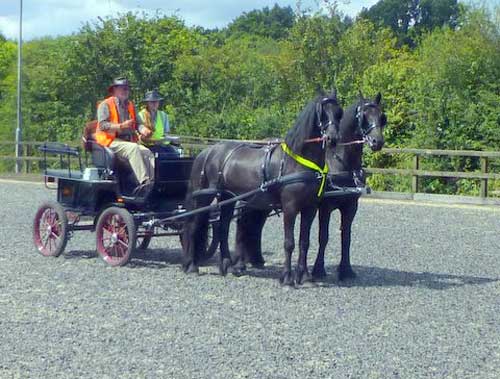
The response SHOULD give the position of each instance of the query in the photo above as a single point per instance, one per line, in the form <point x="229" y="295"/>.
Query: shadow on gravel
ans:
<point x="366" y="276"/>
<point x="150" y="258"/>
<point x="155" y="258"/>
<point x="80" y="254"/>
<point x="384" y="277"/>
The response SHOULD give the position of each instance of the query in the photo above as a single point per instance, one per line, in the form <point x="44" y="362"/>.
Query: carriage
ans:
<point x="93" y="190"/>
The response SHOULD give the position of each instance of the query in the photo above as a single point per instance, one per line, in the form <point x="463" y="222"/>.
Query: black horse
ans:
<point x="363" y="122"/>
<point x="292" y="176"/>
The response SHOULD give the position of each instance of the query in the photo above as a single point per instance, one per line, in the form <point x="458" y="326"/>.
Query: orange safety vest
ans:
<point x="105" y="137"/>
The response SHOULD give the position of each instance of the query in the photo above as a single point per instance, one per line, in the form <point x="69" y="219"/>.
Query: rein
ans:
<point x="280" y="141"/>
<point x="355" y="142"/>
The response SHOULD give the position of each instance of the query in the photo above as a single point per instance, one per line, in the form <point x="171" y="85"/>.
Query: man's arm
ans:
<point x="166" y="123"/>
<point x="141" y="128"/>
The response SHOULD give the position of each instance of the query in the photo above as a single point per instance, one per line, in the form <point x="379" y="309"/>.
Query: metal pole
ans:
<point x="19" y="115"/>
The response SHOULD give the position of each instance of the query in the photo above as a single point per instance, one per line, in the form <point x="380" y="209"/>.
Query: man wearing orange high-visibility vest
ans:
<point x="118" y="129"/>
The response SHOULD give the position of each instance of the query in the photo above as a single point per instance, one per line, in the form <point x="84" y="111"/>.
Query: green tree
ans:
<point x="314" y="42"/>
<point x="410" y="18"/>
<point x="361" y="48"/>
<point x="47" y="110"/>
<point x="143" y="49"/>
<point x="8" y="51"/>
<point x="273" y="23"/>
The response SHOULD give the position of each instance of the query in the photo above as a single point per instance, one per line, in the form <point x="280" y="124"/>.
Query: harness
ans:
<point x="268" y="182"/>
<point x="309" y="164"/>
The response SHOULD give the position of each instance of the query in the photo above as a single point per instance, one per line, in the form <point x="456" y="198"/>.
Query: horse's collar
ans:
<point x="309" y="164"/>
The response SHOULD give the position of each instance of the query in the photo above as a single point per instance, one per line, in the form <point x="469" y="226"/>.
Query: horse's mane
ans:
<point x="303" y="127"/>
<point x="349" y="123"/>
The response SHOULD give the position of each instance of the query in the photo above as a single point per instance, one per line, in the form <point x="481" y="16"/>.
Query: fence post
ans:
<point x="27" y="161"/>
<point x="484" y="182"/>
<point x="414" y="178"/>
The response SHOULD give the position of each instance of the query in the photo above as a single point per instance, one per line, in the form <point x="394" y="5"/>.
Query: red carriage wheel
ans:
<point x="116" y="236"/>
<point x="50" y="229"/>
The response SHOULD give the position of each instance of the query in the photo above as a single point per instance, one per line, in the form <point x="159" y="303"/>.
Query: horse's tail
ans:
<point x="195" y="234"/>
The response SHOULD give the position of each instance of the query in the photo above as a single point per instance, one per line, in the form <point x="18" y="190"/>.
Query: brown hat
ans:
<point x="118" y="82"/>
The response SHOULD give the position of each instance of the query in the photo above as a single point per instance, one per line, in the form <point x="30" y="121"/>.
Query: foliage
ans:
<point x="410" y="18"/>
<point x="273" y="23"/>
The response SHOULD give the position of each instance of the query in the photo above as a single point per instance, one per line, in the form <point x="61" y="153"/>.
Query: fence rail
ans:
<point x="193" y="144"/>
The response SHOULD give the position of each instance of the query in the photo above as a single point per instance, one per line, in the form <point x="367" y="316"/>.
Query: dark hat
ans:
<point x="153" y="95"/>
<point x="118" y="82"/>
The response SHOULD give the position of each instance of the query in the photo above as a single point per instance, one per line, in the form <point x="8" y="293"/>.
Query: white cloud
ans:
<point x="62" y="17"/>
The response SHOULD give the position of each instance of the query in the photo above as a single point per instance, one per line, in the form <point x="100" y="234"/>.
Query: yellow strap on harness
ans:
<point x="309" y="164"/>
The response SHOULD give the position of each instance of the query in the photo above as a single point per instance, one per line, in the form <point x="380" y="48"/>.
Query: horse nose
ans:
<point x="377" y="143"/>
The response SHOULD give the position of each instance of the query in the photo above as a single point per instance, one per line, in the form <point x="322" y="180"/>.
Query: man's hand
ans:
<point x="145" y="132"/>
<point x="127" y="124"/>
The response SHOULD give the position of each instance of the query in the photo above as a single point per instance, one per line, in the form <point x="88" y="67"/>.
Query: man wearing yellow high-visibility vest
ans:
<point x="157" y="122"/>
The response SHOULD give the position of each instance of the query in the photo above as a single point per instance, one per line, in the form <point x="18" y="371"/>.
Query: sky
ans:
<point x="63" y="17"/>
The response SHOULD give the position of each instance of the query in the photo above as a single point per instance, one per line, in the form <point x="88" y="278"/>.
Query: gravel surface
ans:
<point x="425" y="304"/>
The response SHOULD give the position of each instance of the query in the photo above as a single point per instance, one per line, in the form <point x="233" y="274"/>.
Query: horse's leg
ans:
<point x="306" y="219"/>
<point x="347" y="213"/>
<point x="256" y="259"/>
<point x="249" y="237"/>
<point x="226" y="214"/>
<point x="195" y="237"/>
<point x="289" y="245"/>
<point x="244" y="239"/>
<point x="188" y="236"/>
<point x="324" y="223"/>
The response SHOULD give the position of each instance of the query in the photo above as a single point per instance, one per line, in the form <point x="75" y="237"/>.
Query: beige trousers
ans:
<point x="141" y="159"/>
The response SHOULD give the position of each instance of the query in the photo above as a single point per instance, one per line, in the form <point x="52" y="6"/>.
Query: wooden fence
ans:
<point x="192" y="145"/>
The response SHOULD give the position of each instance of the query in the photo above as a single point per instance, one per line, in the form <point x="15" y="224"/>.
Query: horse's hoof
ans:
<point x="238" y="270"/>
<point x="346" y="273"/>
<point x="224" y="266"/>
<point x="191" y="269"/>
<point x="318" y="273"/>
<point x="258" y="265"/>
<point x="302" y="276"/>
<point x="287" y="279"/>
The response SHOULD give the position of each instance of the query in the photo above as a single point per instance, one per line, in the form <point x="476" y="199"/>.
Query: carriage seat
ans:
<point x="102" y="157"/>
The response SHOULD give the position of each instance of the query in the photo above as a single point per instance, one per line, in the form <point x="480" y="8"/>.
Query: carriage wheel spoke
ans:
<point x="125" y="245"/>
<point x="122" y="230"/>
<point x="46" y="240"/>
<point x="116" y="251"/>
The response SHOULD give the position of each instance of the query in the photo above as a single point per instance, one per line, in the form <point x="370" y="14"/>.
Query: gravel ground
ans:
<point x="425" y="304"/>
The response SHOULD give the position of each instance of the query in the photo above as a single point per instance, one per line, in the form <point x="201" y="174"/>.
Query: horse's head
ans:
<point x="319" y="121"/>
<point x="371" y="121"/>
<point x="329" y="113"/>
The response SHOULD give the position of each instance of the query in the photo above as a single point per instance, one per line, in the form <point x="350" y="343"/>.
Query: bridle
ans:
<point x="322" y="127"/>
<point x="363" y="128"/>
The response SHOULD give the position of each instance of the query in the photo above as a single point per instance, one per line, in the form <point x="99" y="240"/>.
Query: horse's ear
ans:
<point x="334" y="94"/>
<point x="378" y="98"/>
<point x="360" y="94"/>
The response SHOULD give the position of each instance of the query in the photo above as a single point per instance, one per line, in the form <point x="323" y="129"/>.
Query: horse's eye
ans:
<point x="383" y="119"/>
<point x="339" y="113"/>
